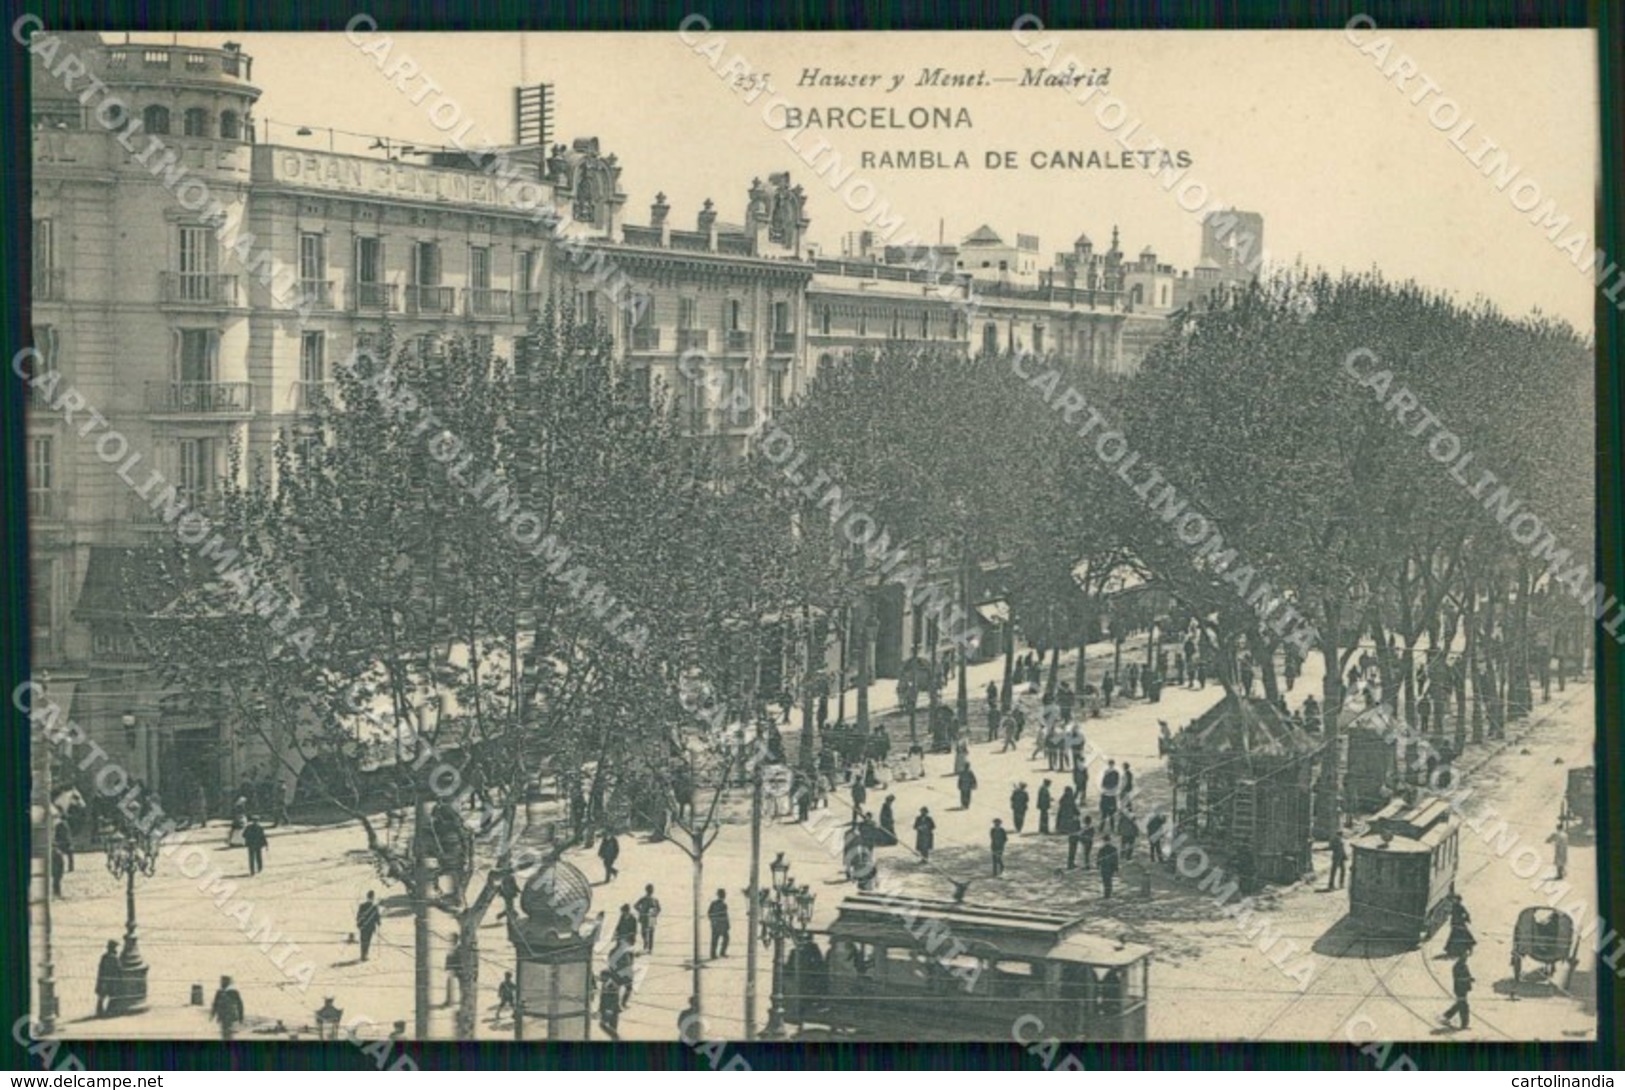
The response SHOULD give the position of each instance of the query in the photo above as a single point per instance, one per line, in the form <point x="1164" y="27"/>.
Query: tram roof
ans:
<point x="907" y="921"/>
<point x="1409" y="827"/>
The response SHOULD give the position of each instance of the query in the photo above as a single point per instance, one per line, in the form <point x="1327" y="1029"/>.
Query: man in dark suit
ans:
<point x="1108" y="865"/>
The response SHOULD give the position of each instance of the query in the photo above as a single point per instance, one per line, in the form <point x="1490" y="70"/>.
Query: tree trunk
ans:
<point x="846" y="640"/>
<point x="420" y="922"/>
<point x="1117" y="658"/>
<point x="697" y="881"/>
<point x="809" y="739"/>
<point x="914" y="678"/>
<point x="1054" y="671"/>
<point x="1331" y="695"/>
<point x="753" y="908"/>
<point x="1007" y="692"/>
<point x="960" y="658"/>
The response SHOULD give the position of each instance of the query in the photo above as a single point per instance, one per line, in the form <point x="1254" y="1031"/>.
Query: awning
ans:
<point x="120" y="582"/>
<point x="994" y="612"/>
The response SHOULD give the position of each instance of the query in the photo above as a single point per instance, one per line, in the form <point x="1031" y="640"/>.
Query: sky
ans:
<point x="1297" y="125"/>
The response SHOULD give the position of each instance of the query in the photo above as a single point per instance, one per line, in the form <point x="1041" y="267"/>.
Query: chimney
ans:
<point x="658" y="210"/>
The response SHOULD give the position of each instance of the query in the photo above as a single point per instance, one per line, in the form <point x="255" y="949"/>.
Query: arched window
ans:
<point x="1139" y="294"/>
<point x="230" y="128"/>
<point x="196" y="122"/>
<point x="990" y="339"/>
<point x="156" y="119"/>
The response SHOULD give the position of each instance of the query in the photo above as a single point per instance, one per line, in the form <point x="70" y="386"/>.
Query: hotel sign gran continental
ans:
<point x="380" y="179"/>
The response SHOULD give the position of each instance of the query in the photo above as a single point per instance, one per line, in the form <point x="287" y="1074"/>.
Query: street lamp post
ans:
<point x="788" y="911"/>
<point x="128" y="856"/>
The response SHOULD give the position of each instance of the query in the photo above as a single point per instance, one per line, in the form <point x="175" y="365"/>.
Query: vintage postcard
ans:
<point x="1025" y="535"/>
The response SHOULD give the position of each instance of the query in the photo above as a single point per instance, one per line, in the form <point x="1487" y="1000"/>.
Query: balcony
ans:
<point x="430" y="299"/>
<point x="645" y="340"/>
<point x="310" y="397"/>
<point x="693" y="340"/>
<point x="198" y="289"/>
<point x="530" y="302"/>
<point x="488" y="302"/>
<point x="139" y="61"/>
<point x="365" y="296"/>
<point x="200" y="398"/>
<point x="319" y="293"/>
<point x="784" y="342"/>
<point x="738" y="340"/>
<point x="50" y="285"/>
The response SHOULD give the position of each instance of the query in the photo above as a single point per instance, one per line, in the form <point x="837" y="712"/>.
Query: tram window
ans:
<point x="1134" y="991"/>
<point x="1016" y="980"/>
<point x="905" y="966"/>
<point x="963" y="973"/>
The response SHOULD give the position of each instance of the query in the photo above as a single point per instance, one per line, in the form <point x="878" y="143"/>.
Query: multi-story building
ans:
<point x="200" y="344"/>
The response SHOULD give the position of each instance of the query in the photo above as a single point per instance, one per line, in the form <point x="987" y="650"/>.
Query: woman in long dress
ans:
<point x="925" y="834"/>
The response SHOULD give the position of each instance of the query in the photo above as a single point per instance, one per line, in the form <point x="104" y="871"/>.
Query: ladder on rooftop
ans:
<point x="1244" y="814"/>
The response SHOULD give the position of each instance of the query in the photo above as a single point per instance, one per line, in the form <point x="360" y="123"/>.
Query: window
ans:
<point x="156" y="119"/>
<point x="524" y="270"/>
<point x="369" y="260"/>
<point x="587" y="308"/>
<point x="925" y="324"/>
<point x="479" y="267"/>
<point x="735" y="313"/>
<point x="42" y="603"/>
<point x="687" y="313"/>
<point x="1004" y="266"/>
<point x="521" y="357"/>
<point x="195" y="122"/>
<point x="481" y="346"/>
<point x="230" y="126"/>
<point x="781" y="317"/>
<point x="990" y="339"/>
<point x="896" y="324"/>
<point x="953" y="326"/>
<point x="313" y="358"/>
<point x="41" y="476"/>
<point x="426" y="264"/>
<point x="1162" y="295"/>
<point x="824" y="320"/>
<point x="44" y="252"/>
<point x="45" y="345"/>
<point x="775" y="386"/>
<point x="739" y="397"/>
<point x="863" y="323"/>
<point x="1139" y="294"/>
<point x="312" y="255"/>
<point x="1038" y="339"/>
<point x="694" y="406"/>
<point x="197" y="469"/>
<point x="196" y="357"/>
<point x="198" y="258"/>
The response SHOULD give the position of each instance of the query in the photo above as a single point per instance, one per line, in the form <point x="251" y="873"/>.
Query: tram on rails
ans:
<point x="1404" y="869"/>
<point x="905" y="969"/>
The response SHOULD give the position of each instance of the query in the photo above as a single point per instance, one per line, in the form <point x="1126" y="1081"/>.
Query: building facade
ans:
<point x="201" y="345"/>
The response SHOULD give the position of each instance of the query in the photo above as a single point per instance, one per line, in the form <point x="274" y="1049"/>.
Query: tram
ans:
<point x="1404" y="869"/>
<point x="899" y="968"/>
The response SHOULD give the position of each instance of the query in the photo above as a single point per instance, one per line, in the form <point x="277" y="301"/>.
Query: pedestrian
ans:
<point x="454" y="972"/>
<point x="993" y="696"/>
<point x="1132" y="688"/>
<point x="1125" y="793"/>
<point x="1086" y="841"/>
<point x="239" y="821"/>
<point x="1067" y="699"/>
<point x="1108" y="866"/>
<point x="1066" y="815"/>
<point x="1044" y="802"/>
<point x="1010" y="732"/>
<point x="690" y="1026"/>
<point x="888" y="823"/>
<point x="227" y="1008"/>
<point x="1462" y="985"/>
<point x="254" y="841"/>
<point x="368" y="918"/>
<point x="626" y="928"/>
<point x="109" y="977"/>
<point x="609" y="1004"/>
<point x="505" y="996"/>
<point x="1080" y="780"/>
<point x="62" y="838"/>
<point x="1018" y="807"/>
<point x="1074" y="744"/>
<point x="860" y="795"/>
<point x="718" y="915"/>
<point x="1560" y="851"/>
<point x="648" y="909"/>
<point x="1460" y="941"/>
<point x="998" y="838"/>
<point x="967" y="784"/>
<point x="1154" y="838"/>
<point x="1179" y="668"/>
<point x="1130" y="830"/>
<point x="1108" y="796"/>
<point x="961" y="756"/>
<point x="1246" y="678"/>
<point x="925" y="834"/>
<point x="1107" y="686"/>
<point x="1340" y="861"/>
<point x="609" y="850"/>
<point x="59" y="867"/>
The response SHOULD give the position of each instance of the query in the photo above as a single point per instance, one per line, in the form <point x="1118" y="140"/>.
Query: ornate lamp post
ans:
<point x="787" y="913"/>
<point x="128" y="856"/>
